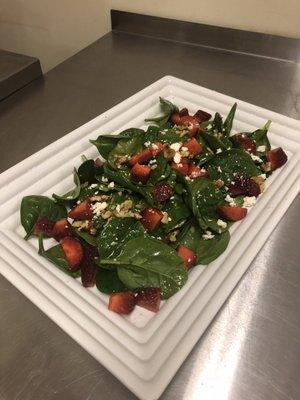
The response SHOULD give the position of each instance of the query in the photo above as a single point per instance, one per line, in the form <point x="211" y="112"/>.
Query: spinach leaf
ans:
<point x="177" y="211"/>
<point x="167" y="108"/>
<point x="161" y="172"/>
<point x="216" y="141"/>
<point x="33" y="207"/>
<point x="86" y="171"/>
<point x="261" y="138"/>
<point x="57" y="256"/>
<point x="147" y="262"/>
<point x="227" y="126"/>
<point x="115" y="234"/>
<point x="125" y="147"/>
<point x="227" y="165"/>
<point x="71" y="194"/>
<point x="87" y="237"/>
<point x="151" y="134"/>
<point x="170" y="136"/>
<point x="217" y="123"/>
<point x="108" y="282"/>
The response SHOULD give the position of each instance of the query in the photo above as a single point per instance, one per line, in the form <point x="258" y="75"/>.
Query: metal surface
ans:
<point x="16" y="71"/>
<point x="251" y="351"/>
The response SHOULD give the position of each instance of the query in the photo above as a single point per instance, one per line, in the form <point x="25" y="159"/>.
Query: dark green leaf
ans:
<point x="86" y="171"/>
<point x="90" y="239"/>
<point x="71" y="194"/>
<point x="161" y="172"/>
<point x="227" y="126"/>
<point x="177" y="211"/>
<point x="108" y="282"/>
<point x="167" y="108"/>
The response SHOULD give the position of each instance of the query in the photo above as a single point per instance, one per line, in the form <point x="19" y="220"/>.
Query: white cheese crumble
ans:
<point x="264" y="176"/>
<point x="147" y="144"/>
<point x="98" y="207"/>
<point x="219" y="151"/>
<point x="175" y="146"/>
<point x="94" y="185"/>
<point x="154" y="146"/>
<point x="219" y="169"/>
<point x="256" y="158"/>
<point x="207" y="235"/>
<point x="111" y="184"/>
<point x="183" y="148"/>
<point x="177" y="158"/>
<point x="104" y="179"/>
<point x="229" y="199"/>
<point x="222" y="223"/>
<point x="261" y="148"/>
<point x="249" y="201"/>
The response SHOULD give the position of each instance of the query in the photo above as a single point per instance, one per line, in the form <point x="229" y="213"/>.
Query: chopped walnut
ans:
<point x="82" y="225"/>
<point x="165" y="218"/>
<point x="169" y="153"/>
<point x="266" y="166"/>
<point x="219" y="183"/>
<point x="107" y="214"/>
<point x="120" y="159"/>
<point x="99" y="198"/>
<point x="172" y="236"/>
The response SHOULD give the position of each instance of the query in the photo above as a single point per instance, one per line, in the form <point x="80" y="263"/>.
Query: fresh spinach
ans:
<point x="71" y="194"/>
<point x="107" y="281"/>
<point x="87" y="237"/>
<point x="167" y="108"/>
<point x="33" y="207"/>
<point x="125" y="147"/>
<point x="178" y="213"/>
<point x="86" y="171"/>
<point x="161" y="172"/>
<point x="227" y="126"/>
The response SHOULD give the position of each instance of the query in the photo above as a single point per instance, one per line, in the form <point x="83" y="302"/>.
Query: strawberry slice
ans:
<point x="175" y="118"/>
<point x="88" y="266"/>
<point x="73" y="251"/>
<point x="182" y="166"/>
<point x="202" y="116"/>
<point x="149" y="298"/>
<point x="197" y="172"/>
<point x="142" y="157"/>
<point x="82" y="211"/>
<point x="157" y="148"/>
<point x="61" y="229"/>
<point x="140" y="173"/>
<point x="122" y="303"/>
<point x="151" y="218"/>
<point x="242" y="185"/>
<point x="277" y="158"/>
<point x="187" y="255"/>
<point x="232" y="213"/>
<point x="248" y="144"/>
<point x="194" y="147"/>
<point x="162" y="192"/>
<point x="43" y="226"/>
<point x="191" y="123"/>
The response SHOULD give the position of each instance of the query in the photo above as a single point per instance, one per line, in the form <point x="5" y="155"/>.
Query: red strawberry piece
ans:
<point x="149" y="298"/>
<point x="277" y="158"/>
<point x="98" y="163"/>
<point x="248" y="144"/>
<point x="82" y="211"/>
<point x="187" y="255"/>
<point x="254" y="189"/>
<point x="194" y="147"/>
<point x="162" y="192"/>
<point x="182" y="166"/>
<point x="244" y="186"/>
<point x="157" y="148"/>
<point x="202" y="116"/>
<point x="232" y="213"/>
<point x="183" y="112"/>
<point x="197" y="172"/>
<point x="176" y="119"/>
<point x="61" y="229"/>
<point x="122" y="303"/>
<point x="191" y="123"/>
<point x="43" y="226"/>
<point x="73" y="251"/>
<point x="142" y="157"/>
<point x="140" y="173"/>
<point x="88" y="266"/>
<point x="151" y="218"/>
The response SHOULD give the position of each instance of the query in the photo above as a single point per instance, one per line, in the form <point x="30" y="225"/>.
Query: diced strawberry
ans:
<point x="122" y="303"/>
<point x="157" y="148"/>
<point x="277" y="158"/>
<point x="61" y="229"/>
<point x="82" y="211"/>
<point x="43" y="226"/>
<point x="248" y="144"/>
<point x="244" y="186"/>
<point x="232" y="213"/>
<point x="73" y="251"/>
<point x="183" y="112"/>
<point x="151" y="218"/>
<point x="175" y="118"/>
<point x="162" y="192"/>
<point x="98" y="163"/>
<point x="182" y="166"/>
<point x="140" y="173"/>
<point x="88" y="266"/>
<point x="142" y="157"/>
<point x="187" y="255"/>
<point x="197" y="172"/>
<point x="149" y="298"/>
<point x="202" y="116"/>
<point x="191" y="123"/>
<point x="194" y="147"/>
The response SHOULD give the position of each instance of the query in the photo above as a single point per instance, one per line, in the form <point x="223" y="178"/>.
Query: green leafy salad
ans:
<point x="155" y="204"/>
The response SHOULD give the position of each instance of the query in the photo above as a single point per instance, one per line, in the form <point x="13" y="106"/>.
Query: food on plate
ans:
<point x="157" y="203"/>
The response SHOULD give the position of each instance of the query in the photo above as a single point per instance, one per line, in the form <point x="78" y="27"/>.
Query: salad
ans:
<point x="157" y="203"/>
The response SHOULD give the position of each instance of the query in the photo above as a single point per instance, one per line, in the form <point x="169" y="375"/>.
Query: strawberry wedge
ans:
<point x="142" y="157"/>
<point x="182" y="166"/>
<point x="232" y="213"/>
<point x="140" y="173"/>
<point x="194" y="147"/>
<point x="151" y="218"/>
<point x="61" y="229"/>
<point x="73" y="251"/>
<point x="88" y="266"/>
<point x="82" y="211"/>
<point x="122" y="303"/>
<point x="277" y="158"/>
<point x="197" y="172"/>
<point x="149" y="298"/>
<point x="187" y="255"/>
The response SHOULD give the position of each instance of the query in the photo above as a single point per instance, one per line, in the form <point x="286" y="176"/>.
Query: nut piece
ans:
<point x="260" y="181"/>
<point x="219" y="183"/>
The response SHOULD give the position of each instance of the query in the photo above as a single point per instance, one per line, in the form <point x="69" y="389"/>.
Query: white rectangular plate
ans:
<point x="143" y="350"/>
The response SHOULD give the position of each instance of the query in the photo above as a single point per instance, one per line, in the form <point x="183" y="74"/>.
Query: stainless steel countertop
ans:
<point x="251" y="350"/>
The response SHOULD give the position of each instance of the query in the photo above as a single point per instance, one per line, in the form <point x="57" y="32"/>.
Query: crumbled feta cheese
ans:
<point x="104" y="179"/>
<point x="249" y="201"/>
<point x="222" y="223"/>
<point x="219" y="169"/>
<point x="147" y="144"/>
<point x="111" y="185"/>
<point x="183" y="148"/>
<point x="219" y="151"/>
<point x="264" y="176"/>
<point x="209" y="126"/>
<point x="256" y="158"/>
<point x="177" y="158"/>
<point x="261" y="148"/>
<point x="229" y="199"/>
<point x="94" y="185"/>
<point x="152" y="162"/>
<point x="207" y="235"/>
<point x="175" y="146"/>
<point x="98" y="207"/>
<point x="165" y="219"/>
